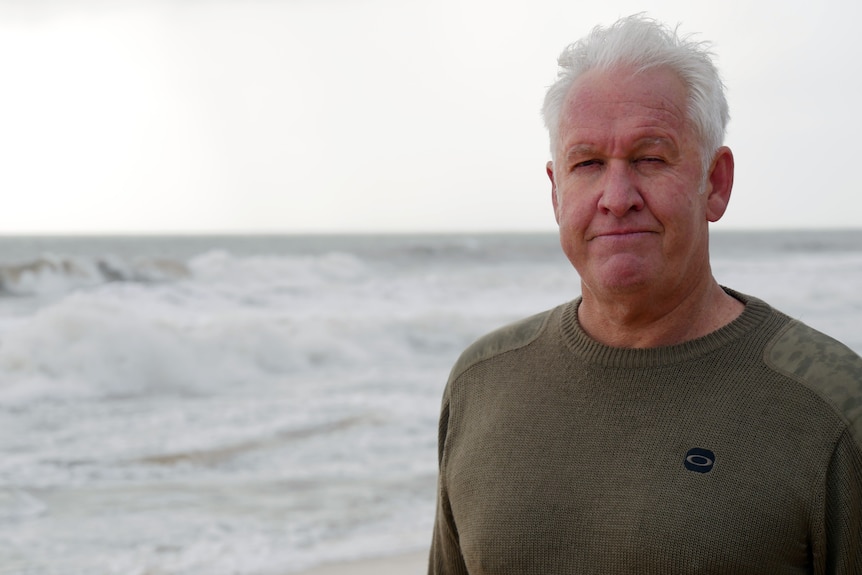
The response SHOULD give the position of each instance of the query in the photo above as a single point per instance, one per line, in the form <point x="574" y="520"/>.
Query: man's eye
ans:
<point x="651" y="160"/>
<point x="586" y="164"/>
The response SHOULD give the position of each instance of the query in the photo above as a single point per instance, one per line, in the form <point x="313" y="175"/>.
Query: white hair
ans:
<point x="643" y="43"/>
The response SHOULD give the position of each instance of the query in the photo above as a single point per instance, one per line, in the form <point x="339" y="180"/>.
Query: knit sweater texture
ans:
<point x="737" y="452"/>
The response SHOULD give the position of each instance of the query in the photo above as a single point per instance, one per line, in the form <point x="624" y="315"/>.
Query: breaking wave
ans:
<point x="51" y="274"/>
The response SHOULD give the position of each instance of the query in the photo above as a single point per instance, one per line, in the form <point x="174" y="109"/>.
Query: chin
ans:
<point x="622" y="275"/>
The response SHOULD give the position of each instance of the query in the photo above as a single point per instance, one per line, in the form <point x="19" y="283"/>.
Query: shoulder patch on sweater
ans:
<point x="826" y="366"/>
<point x="504" y="339"/>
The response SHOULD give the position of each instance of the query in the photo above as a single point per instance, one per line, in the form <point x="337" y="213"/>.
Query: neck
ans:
<point x="648" y="320"/>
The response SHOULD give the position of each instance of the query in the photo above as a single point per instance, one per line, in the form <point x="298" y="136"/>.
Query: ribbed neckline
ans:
<point x="587" y="349"/>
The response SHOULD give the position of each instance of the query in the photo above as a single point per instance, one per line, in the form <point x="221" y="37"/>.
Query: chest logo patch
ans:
<point x="699" y="460"/>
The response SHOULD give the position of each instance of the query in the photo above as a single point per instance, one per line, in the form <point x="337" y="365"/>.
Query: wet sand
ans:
<point x="411" y="564"/>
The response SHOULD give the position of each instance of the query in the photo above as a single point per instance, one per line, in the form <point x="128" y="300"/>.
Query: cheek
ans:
<point x="683" y="218"/>
<point x="677" y="203"/>
<point x="571" y="211"/>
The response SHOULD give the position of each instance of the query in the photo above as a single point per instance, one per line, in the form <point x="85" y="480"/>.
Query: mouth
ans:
<point x="622" y="234"/>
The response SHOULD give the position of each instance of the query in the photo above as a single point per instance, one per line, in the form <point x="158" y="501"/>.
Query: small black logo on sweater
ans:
<point x="699" y="460"/>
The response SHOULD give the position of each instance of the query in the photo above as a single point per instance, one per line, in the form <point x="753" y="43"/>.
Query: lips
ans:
<point x="620" y="233"/>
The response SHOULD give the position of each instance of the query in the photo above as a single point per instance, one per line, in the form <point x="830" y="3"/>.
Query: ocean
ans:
<point x="263" y="404"/>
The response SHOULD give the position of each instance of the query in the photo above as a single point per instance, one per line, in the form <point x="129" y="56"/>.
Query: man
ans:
<point x="660" y="423"/>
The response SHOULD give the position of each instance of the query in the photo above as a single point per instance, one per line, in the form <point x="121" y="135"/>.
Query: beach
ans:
<point x="407" y="564"/>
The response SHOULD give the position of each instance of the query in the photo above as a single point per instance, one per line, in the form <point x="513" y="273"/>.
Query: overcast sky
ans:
<point x="381" y="115"/>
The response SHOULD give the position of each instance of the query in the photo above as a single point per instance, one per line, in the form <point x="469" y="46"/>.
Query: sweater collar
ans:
<point x="586" y="348"/>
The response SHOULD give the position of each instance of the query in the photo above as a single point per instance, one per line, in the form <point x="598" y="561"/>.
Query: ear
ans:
<point x="549" y="168"/>
<point x="719" y="184"/>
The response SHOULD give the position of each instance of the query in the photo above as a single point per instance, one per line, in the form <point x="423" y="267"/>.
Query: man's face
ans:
<point x="627" y="175"/>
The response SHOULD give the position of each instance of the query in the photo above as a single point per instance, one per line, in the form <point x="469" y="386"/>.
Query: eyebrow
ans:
<point x="654" y="141"/>
<point x="580" y="150"/>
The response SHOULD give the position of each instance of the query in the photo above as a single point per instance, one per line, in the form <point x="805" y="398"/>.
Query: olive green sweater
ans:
<point x="738" y="452"/>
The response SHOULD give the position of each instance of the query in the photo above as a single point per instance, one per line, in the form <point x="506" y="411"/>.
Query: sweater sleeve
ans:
<point x="445" y="557"/>
<point x="843" y="509"/>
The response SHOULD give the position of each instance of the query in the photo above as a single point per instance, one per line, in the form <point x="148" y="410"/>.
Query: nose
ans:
<point x="620" y="193"/>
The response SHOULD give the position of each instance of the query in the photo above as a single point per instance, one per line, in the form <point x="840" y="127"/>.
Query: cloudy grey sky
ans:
<point x="381" y="115"/>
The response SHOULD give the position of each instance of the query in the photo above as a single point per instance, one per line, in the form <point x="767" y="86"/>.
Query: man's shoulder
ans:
<point x="823" y="364"/>
<point x="507" y="338"/>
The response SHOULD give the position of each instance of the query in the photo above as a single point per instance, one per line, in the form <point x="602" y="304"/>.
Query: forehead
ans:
<point x="620" y="104"/>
